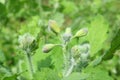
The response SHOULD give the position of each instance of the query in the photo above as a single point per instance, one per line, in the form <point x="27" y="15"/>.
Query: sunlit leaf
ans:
<point x="97" y="33"/>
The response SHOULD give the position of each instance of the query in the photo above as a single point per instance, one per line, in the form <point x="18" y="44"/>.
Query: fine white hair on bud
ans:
<point x="85" y="49"/>
<point x="25" y="40"/>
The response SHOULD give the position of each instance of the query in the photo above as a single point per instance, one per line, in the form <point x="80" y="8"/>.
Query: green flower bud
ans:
<point x="53" y="26"/>
<point x="75" y="51"/>
<point x="81" y="51"/>
<point x="67" y="35"/>
<point x="81" y="32"/>
<point x="84" y="56"/>
<point x="25" y="41"/>
<point x="48" y="47"/>
<point x="85" y="48"/>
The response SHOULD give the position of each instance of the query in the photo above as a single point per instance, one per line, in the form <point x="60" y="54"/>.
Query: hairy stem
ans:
<point x="30" y="65"/>
<point x="70" y="67"/>
<point x="65" y="59"/>
<point x="68" y="61"/>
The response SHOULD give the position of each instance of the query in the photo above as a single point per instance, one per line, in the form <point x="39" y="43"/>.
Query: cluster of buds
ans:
<point x="66" y="37"/>
<point x="78" y="52"/>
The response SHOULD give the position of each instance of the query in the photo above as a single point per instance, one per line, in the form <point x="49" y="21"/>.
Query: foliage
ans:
<point x="35" y="35"/>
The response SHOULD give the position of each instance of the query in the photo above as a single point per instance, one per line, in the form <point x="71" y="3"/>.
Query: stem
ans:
<point x="29" y="58"/>
<point x="71" y="68"/>
<point x="68" y="61"/>
<point x="65" y="59"/>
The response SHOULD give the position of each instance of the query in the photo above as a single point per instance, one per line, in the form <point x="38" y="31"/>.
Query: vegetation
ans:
<point x="59" y="40"/>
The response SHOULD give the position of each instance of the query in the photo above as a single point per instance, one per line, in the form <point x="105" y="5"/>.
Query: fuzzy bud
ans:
<point x="81" y="51"/>
<point x="53" y="26"/>
<point x="75" y="51"/>
<point x="67" y="35"/>
<point x="81" y="32"/>
<point x="25" y="40"/>
<point x="85" y="48"/>
<point x="48" y="47"/>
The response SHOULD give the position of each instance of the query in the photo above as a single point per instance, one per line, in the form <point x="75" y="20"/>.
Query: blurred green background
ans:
<point x="101" y="17"/>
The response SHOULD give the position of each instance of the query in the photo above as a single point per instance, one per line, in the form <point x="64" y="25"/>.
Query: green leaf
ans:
<point x="13" y="77"/>
<point x="2" y="1"/>
<point x="96" y="73"/>
<point x="3" y="72"/>
<point x="96" y="61"/>
<point x="76" y="76"/>
<point x="31" y="26"/>
<point x="2" y="57"/>
<point x="3" y="11"/>
<point x="97" y="33"/>
<point x="46" y="74"/>
<point x="115" y="45"/>
<point x="69" y="7"/>
<point x="59" y="18"/>
<point x="57" y="58"/>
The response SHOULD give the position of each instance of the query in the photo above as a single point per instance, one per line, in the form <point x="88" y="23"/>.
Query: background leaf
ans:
<point x="97" y="33"/>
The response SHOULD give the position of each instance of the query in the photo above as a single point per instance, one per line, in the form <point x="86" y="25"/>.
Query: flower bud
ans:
<point x="85" y="48"/>
<point x="48" y="47"/>
<point x="84" y="56"/>
<point x="67" y="35"/>
<point x="81" y="32"/>
<point x="81" y="51"/>
<point x="75" y="51"/>
<point x="53" y="26"/>
<point x="25" y="40"/>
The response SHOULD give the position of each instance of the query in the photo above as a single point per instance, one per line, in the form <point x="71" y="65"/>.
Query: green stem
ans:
<point x="29" y="58"/>
<point x="65" y="59"/>
<point x="69" y="62"/>
<point x="70" y="69"/>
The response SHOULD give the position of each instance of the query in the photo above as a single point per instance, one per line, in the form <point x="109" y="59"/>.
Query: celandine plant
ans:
<point x="74" y="58"/>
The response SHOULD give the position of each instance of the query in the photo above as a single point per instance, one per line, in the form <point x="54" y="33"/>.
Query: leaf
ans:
<point x="96" y="73"/>
<point x="97" y="33"/>
<point x="46" y="74"/>
<point x="3" y="72"/>
<point x="59" y="18"/>
<point x="2" y="57"/>
<point x="96" y="61"/>
<point x="3" y="11"/>
<point x="76" y="76"/>
<point x="69" y="7"/>
<point x="30" y="26"/>
<point x="13" y="77"/>
<point x="115" y="45"/>
<point x="57" y="58"/>
<point x="46" y="63"/>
